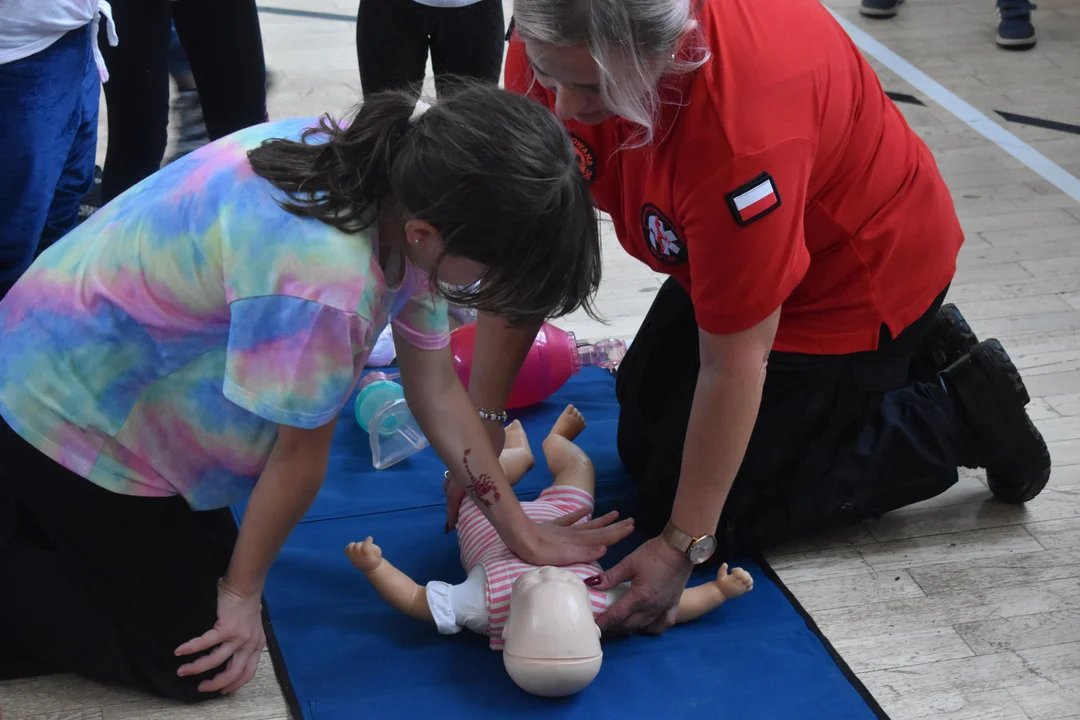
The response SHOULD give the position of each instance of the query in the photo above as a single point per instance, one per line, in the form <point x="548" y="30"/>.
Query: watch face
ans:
<point x="702" y="550"/>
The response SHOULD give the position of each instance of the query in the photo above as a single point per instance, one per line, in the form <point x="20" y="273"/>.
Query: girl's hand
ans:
<point x="561" y="542"/>
<point x="239" y="637"/>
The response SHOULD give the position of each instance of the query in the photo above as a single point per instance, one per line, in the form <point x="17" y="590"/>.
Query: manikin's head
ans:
<point x="551" y="641"/>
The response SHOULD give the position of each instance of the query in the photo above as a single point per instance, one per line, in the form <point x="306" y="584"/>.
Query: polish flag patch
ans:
<point x="754" y="200"/>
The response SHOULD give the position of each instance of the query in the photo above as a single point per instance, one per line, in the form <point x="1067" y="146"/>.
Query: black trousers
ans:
<point x="223" y="43"/>
<point x="838" y="439"/>
<point x="393" y="38"/>
<point x="99" y="584"/>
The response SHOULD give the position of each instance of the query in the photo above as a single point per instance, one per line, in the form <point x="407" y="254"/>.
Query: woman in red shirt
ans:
<point x="746" y="148"/>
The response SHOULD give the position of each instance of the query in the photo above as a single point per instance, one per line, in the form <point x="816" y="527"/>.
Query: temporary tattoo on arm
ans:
<point x="479" y="488"/>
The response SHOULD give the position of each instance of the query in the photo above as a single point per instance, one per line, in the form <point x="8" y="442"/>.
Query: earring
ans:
<point x="415" y="241"/>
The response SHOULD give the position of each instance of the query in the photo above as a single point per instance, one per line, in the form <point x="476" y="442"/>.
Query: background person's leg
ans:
<point x="42" y="97"/>
<point x="223" y="42"/>
<point x="77" y="177"/>
<point x="467" y="43"/>
<point x="391" y="46"/>
<point x="190" y="130"/>
<point x="137" y="93"/>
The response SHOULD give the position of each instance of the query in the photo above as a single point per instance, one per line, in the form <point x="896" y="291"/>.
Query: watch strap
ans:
<point x="677" y="538"/>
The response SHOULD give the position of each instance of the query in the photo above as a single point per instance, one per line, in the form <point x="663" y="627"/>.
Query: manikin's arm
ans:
<point x="699" y="600"/>
<point x="704" y="598"/>
<point x="395" y="587"/>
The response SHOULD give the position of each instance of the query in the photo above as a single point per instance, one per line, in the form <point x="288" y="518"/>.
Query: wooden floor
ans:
<point x="959" y="608"/>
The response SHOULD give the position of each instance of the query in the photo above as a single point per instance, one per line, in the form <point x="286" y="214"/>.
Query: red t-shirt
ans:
<point x="786" y="177"/>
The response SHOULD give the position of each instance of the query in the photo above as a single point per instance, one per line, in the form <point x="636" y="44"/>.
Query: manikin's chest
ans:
<point x="484" y="554"/>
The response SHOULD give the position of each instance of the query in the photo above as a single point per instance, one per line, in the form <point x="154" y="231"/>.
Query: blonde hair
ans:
<point x="626" y="38"/>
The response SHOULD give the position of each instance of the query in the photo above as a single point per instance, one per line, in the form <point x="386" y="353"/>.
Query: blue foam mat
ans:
<point x="343" y="653"/>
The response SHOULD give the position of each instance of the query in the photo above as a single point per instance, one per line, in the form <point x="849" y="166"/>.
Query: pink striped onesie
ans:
<point x="483" y="550"/>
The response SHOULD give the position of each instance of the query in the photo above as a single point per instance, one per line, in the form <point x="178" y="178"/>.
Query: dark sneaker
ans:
<point x="880" y="8"/>
<point x="948" y="339"/>
<point x="990" y="397"/>
<point x="1015" y="31"/>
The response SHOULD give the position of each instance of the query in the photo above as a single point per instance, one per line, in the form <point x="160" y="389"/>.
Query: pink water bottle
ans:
<point x="554" y="357"/>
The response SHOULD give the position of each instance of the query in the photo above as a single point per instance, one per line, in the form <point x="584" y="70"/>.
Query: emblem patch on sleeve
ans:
<point x="661" y="240"/>
<point x="585" y="159"/>
<point x="754" y="200"/>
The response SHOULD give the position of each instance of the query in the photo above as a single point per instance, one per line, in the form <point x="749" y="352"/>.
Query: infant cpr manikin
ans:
<point x="541" y="618"/>
<point x="551" y="640"/>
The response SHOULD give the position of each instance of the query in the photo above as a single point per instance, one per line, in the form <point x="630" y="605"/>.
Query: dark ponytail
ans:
<point x="344" y="180"/>
<point x="495" y="173"/>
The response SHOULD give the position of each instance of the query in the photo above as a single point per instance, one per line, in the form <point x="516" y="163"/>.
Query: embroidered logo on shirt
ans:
<point x="661" y="240"/>
<point x="585" y="159"/>
<point x="754" y="200"/>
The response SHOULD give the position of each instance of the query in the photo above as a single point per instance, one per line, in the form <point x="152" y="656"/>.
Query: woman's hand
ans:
<point x="657" y="573"/>
<point x="561" y="542"/>
<point x="239" y="637"/>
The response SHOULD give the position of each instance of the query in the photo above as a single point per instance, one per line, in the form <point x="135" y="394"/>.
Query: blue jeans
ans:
<point x="48" y="142"/>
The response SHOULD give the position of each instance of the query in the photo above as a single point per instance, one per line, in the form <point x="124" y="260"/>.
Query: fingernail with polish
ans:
<point x="594" y="580"/>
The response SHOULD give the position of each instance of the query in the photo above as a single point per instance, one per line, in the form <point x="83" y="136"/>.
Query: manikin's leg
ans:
<point x="516" y="458"/>
<point x="567" y="462"/>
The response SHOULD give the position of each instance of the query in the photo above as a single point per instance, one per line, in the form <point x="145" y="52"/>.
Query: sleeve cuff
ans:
<point x="720" y="323"/>
<point x="271" y="413"/>
<point x="422" y="340"/>
<point x="442" y="609"/>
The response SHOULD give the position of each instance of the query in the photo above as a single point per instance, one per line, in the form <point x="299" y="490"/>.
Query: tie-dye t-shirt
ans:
<point x="156" y="348"/>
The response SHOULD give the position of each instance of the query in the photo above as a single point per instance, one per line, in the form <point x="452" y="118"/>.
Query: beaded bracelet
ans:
<point x="491" y="415"/>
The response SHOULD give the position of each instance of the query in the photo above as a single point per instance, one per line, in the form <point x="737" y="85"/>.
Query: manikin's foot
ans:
<point x="516" y="458"/>
<point x="735" y="583"/>
<point x="365" y="556"/>
<point x="516" y="437"/>
<point x="569" y="424"/>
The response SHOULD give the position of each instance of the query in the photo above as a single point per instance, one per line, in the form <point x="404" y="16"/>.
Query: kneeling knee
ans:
<point x="185" y="689"/>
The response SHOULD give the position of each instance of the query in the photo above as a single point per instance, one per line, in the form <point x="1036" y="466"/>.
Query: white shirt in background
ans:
<point x="30" y="26"/>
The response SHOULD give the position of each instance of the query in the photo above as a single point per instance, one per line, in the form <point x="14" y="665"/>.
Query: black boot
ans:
<point x="948" y="339"/>
<point x="990" y="397"/>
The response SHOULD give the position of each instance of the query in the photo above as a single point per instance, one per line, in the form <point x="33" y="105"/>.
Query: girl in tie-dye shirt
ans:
<point x="193" y="343"/>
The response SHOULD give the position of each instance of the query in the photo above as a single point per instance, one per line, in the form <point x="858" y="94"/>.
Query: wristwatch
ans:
<point x="696" y="549"/>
